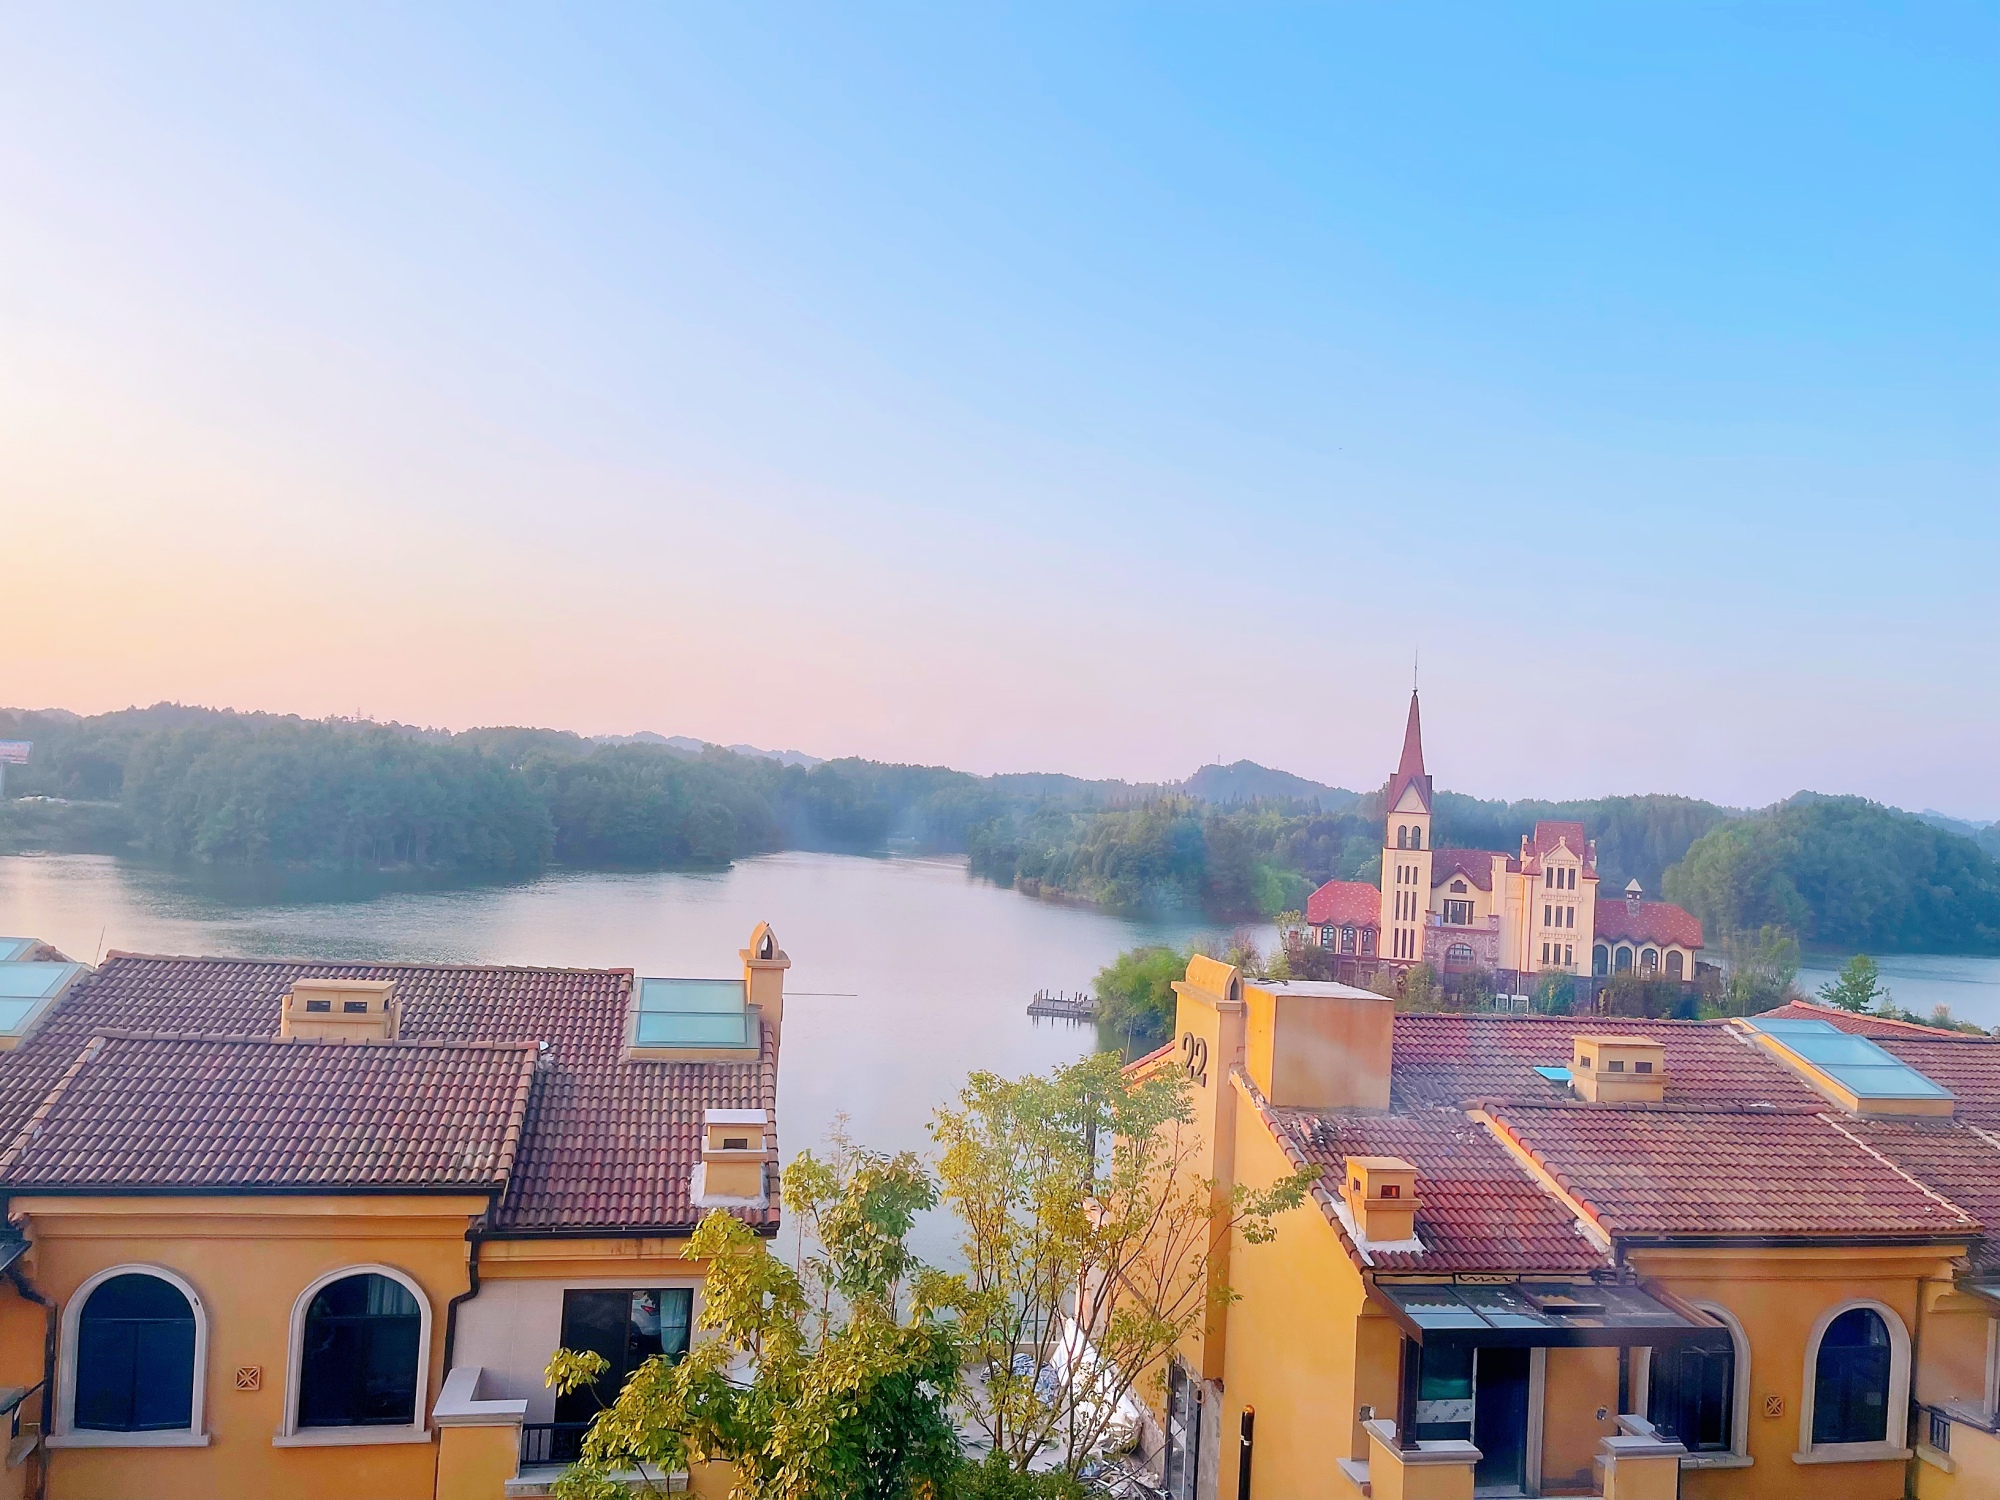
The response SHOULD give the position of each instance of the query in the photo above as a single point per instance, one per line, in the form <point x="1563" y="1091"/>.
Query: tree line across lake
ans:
<point x="204" y="787"/>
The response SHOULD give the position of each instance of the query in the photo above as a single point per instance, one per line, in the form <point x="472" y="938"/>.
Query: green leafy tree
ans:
<point x="1762" y="967"/>
<point x="1859" y="986"/>
<point x="1087" y="1231"/>
<point x="1135" y="997"/>
<point x="852" y="1361"/>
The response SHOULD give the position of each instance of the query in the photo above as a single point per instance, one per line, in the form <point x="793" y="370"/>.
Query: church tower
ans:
<point x="1406" y="849"/>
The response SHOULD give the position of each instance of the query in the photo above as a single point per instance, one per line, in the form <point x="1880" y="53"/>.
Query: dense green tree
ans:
<point x="853" y="1359"/>
<point x="1135" y="996"/>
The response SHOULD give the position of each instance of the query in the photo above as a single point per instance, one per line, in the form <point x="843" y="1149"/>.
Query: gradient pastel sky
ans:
<point x="1102" y="389"/>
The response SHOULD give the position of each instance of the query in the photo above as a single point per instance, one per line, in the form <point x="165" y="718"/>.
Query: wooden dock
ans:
<point x="1063" y="1006"/>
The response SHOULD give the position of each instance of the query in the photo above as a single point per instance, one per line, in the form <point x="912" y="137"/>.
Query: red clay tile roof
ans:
<point x="1458" y="1059"/>
<point x="607" y="1146"/>
<point x="1967" y="1065"/>
<point x="1344" y="901"/>
<point x="153" y="1111"/>
<point x="1547" y="835"/>
<point x="1859" y="1023"/>
<point x="1958" y="1160"/>
<point x="1728" y="1174"/>
<point x="1481" y="1210"/>
<point x="1476" y="865"/>
<point x="1626" y="921"/>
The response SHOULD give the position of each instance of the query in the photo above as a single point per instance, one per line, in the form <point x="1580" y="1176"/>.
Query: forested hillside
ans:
<point x="202" y="787"/>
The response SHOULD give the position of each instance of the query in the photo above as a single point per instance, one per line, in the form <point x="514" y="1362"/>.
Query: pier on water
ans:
<point x="1063" y="1006"/>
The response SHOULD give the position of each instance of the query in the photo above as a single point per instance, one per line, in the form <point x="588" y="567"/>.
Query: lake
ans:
<point x="906" y="975"/>
<point x="1921" y="982"/>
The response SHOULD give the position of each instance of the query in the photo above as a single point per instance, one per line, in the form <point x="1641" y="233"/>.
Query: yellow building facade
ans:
<point x="1554" y="1256"/>
<point x="1515" y="914"/>
<point x="315" y="1229"/>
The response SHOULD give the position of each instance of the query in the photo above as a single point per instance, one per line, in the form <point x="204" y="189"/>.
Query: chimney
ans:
<point x="1381" y="1194"/>
<point x="1619" y="1069"/>
<point x="340" y="1010"/>
<point x="731" y="1174"/>
<point x="1634" y="893"/>
<point x="1316" y="1045"/>
<point x="764" y="965"/>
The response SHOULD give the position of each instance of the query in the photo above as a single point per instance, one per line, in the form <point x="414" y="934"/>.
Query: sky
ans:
<point x="1106" y="389"/>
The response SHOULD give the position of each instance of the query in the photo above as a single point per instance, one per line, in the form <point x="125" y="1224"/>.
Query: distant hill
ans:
<point x="1246" y="781"/>
<point x="689" y="746"/>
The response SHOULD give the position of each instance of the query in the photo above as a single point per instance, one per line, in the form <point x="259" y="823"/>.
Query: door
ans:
<point x="1500" y="1418"/>
<point x="627" y="1328"/>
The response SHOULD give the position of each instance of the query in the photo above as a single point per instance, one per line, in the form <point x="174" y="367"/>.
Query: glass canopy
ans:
<point x="1528" y="1314"/>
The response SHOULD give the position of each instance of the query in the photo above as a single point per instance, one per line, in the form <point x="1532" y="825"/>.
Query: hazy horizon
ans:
<point x="1105" y="392"/>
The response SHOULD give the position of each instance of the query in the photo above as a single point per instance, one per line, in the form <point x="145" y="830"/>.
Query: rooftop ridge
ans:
<point x="435" y="1043"/>
<point x="363" y="963"/>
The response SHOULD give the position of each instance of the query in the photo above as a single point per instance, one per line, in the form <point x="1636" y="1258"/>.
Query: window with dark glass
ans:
<point x="1458" y="913"/>
<point x="358" y="1366"/>
<point x="1692" y="1396"/>
<point x="135" y="1357"/>
<point x="1851" y="1383"/>
<point x="627" y="1328"/>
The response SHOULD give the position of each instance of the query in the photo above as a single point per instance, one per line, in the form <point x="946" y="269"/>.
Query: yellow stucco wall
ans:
<point x="1975" y="1459"/>
<point x="475" y="1463"/>
<point x="248" y="1259"/>
<point x="1577" y="1383"/>
<point x="1292" y="1347"/>
<point x="1778" y="1295"/>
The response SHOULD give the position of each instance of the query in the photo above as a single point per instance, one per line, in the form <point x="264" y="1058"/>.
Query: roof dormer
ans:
<point x="1616" y="1069"/>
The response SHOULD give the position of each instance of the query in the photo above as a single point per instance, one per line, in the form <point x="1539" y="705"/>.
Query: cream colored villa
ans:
<point x="1517" y="914"/>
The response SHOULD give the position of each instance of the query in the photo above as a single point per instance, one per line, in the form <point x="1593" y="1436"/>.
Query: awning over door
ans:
<point x="1533" y="1314"/>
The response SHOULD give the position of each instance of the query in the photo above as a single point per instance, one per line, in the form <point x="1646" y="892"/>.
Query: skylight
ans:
<point x="692" y="1013"/>
<point x="27" y="989"/>
<point x="13" y="949"/>
<point x="1853" y="1062"/>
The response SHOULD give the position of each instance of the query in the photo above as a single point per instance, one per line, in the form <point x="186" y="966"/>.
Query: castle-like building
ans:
<point x="1519" y="915"/>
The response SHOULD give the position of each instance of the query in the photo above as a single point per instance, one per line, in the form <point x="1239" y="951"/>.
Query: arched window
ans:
<point x="1347" y="940"/>
<point x="1600" y="960"/>
<point x="1674" y="969"/>
<point x="1458" y="956"/>
<point x="359" y="1345"/>
<point x="1402" y="836"/>
<point x="1650" y="959"/>
<point x="1416" y="836"/>
<point x="1702" y="1397"/>
<point x="133" y="1338"/>
<point x="1621" y="961"/>
<point x="1851" y="1380"/>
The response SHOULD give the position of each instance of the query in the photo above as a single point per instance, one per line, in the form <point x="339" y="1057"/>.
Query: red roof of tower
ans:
<point x="1410" y="769"/>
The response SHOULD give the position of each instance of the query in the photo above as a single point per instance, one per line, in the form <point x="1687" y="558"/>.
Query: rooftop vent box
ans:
<point x="1381" y="1193"/>
<point x="341" y="1010"/>
<point x="1619" y="1069"/>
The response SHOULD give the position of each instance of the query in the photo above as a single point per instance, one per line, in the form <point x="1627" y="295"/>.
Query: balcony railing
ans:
<point x="552" y="1442"/>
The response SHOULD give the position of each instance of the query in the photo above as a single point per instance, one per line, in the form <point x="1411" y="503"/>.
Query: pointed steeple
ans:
<point x="1410" y="769"/>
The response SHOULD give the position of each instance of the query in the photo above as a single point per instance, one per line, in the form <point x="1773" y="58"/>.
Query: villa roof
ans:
<point x="1550" y="832"/>
<point x="1967" y="1065"/>
<point x="606" y="1146"/>
<point x="1476" y="865"/>
<point x="230" y="1113"/>
<point x="1859" y="1023"/>
<point x="1627" y="921"/>
<point x="1728" y="1174"/>
<point x="1460" y="1059"/>
<point x="1957" y="1160"/>
<point x="1345" y="901"/>
<point x="1481" y="1210"/>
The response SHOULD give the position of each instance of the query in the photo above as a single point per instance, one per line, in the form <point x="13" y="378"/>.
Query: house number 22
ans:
<point x="1194" y="1057"/>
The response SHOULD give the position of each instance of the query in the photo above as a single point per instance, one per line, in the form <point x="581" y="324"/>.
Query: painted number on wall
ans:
<point x="1194" y="1057"/>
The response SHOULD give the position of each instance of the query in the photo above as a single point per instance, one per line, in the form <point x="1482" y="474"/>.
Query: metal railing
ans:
<point x="552" y="1442"/>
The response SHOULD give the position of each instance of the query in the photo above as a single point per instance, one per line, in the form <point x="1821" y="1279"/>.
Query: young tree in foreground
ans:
<point x="830" y="1379"/>
<point x="1087" y="1235"/>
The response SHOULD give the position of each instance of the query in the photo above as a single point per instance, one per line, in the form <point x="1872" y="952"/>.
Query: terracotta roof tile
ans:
<point x="606" y="1145"/>
<point x="1861" y="1023"/>
<point x="1622" y="920"/>
<point x="154" y="1111"/>
<point x="1481" y="1210"/>
<point x="1967" y="1065"/>
<point x="1958" y="1160"/>
<point x="1723" y="1174"/>
<point x="1344" y="901"/>
<point x="1457" y="1059"/>
<point x="1476" y="865"/>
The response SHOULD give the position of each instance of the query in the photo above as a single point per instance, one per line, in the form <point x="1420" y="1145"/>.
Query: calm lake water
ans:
<point x="1921" y="982"/>
<point x="906" y="975"/>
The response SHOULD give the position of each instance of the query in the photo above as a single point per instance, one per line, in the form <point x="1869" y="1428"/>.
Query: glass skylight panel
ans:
<point x="692" y="1013"/>
<point x="27" y="988"/>
<point x="1854" y="1062"/>
<point x="1527" y="1314"/>
<point x="12" y="948"/>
